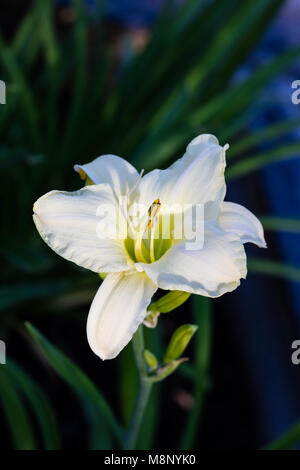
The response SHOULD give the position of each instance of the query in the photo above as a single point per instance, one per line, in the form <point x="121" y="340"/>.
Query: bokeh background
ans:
<point x="141" y="79"/>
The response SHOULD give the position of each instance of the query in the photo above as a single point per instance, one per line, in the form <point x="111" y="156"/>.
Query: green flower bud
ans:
<point x="150" y="359"/>
<point x="179" y="341"/>
<point x="169" y="302"/>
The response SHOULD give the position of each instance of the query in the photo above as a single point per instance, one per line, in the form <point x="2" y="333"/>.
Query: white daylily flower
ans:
<point x="137" y="266"/>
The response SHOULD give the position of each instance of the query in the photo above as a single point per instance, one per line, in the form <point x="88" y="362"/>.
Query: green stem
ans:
<point x="202" y="317"/>
<point x="143" y="394"/>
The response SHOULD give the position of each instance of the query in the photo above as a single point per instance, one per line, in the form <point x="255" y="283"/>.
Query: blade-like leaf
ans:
<point x="73" y="121"/>
<point x="15" y="414"/>
<point x="280" y="224"/>
<point x="287" y="441"/>
<point x="15" y="74"/>
<point x="13" y="294"/>
<point x="230" y="38"/>
<point x="256" y="162"/>
<point x="231" y="102"/>
<point x="99" y="409"/>
<point x="207" y="117"/>
<point x="40" y="405"/>
<point x="274" y="268"/>
<point x="263" y="136"/>
<point x="44" y="14"/>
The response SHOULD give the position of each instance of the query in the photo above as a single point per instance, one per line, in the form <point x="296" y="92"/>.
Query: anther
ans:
<point x="153" y="212"/>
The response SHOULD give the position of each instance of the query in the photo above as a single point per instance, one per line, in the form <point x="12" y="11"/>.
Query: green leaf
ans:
<point x="39" y="404"/>
<point x="230" y="38"/>
<point x="256" y="16"/>
<point x="99" y="411"/>
<point x="220" y="109"/>
<point x="11" y="294"/>
<point x="44" y="15"/>
<point x="287" y="441"/>
<point x="25" y="46"/>
<point x="267" y="134"/>
<point x="256" y="162"/>
<point x="176" y="100"/>
<point x="17" y="78"/>
<point x="26" y="258"/>
<point x="15" y="413"/>
<point x="76" y="109"/>
<point x="202" y="316"/>
<point x="181" y="110"/>
<point x="274" y="269"/>
<point x="23" y="33"/>
<point x="280" y="224"/>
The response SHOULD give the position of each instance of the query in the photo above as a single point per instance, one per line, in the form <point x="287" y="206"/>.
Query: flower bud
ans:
<point x="150" y="359"/>
<point x="179" y="341"/>
<point x="169" y="302"/>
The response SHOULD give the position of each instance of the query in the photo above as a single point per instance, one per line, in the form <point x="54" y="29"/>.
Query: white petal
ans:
<point x="237" y="219"/>
<point x="111" y="169"/>
<point x="211" y="271"/>
<point x="68" y="223"/>
<point x="196" y="178"/>
<point x="118" y="308"/>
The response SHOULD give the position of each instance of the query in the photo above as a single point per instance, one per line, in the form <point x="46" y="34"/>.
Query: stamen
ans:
<point x="153" y="212"/>
<point x="138" y="246"/>
<point x="135" y="184"/>
<point x="138" y="250"/>
<point x="126" y="200"/>
<point x="82" y="174"/>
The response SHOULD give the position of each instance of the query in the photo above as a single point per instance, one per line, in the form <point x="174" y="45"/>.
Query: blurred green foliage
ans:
<point x="69" y="99"/>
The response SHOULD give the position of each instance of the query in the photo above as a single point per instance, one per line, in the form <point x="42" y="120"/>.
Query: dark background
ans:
<point x="253" y="388"/>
